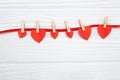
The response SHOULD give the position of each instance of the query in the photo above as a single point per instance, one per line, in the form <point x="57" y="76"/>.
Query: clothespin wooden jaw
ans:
<point x="67" y="25"/>
<point x="37" y="26"/>
<point x="105" y="21"/>
<point x="53" y="26"/>
<point x="81" y="24"/>
<point x="22" y="26"/>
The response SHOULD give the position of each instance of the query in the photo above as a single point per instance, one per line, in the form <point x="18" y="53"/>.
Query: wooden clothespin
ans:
<point x="81" y="24"/>
<point x="22" y="26"/>
<point x="105" y="21"/>
<point x="37" y="26"/>
<point x="53" y="26"/>
<point x="67" y="25"/>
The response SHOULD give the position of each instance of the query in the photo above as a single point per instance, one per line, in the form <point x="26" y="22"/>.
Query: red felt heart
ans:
<point x="104" y="32"/>
<point x="54" y="34"/>
<point x="21" y="35"/>
<point x="69" y="34"/>
<point x="85" y="34"/>
<point x="38" y="36"/>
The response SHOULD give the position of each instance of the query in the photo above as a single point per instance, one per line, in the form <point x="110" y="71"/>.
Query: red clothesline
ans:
<point x="85" y="34"/>
<point x="59" y="30"/>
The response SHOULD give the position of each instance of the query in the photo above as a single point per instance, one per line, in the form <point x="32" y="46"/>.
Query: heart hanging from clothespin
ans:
<point x="69" y="32"/>
<point x="38" y="34"/>
<point x="104" y="30"/>
<point x="54" y="33"/>
<point x="84" y="32"/>
<point x="22" y="33"/>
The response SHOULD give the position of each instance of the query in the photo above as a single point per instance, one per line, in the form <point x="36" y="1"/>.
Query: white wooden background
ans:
<point x="63" y="58"/>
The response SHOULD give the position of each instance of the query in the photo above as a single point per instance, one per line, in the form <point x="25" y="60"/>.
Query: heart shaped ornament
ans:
<point x="104" y="32"/>
<point x="21" y="35"/>
<point x="38" y="37"/>
<point x="69" y="34"/>
<point x="54" y="34"/>
<point x="86" y="33"/>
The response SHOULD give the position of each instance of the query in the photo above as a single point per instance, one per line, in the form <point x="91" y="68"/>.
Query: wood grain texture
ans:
<point x="63" y="58"/>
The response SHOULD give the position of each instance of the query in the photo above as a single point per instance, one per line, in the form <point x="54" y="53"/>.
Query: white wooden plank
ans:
<point x="61" y="50"/>
<point x="92" y="11"/>
<point x="60" y="71"/>
<point x="64" y="58"/>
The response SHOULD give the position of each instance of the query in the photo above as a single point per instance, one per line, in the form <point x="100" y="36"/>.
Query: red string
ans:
<point x="59" y="30"/>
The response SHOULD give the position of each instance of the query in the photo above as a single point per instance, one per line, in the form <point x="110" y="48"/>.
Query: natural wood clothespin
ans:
<point x="37" y="26"/>
<point x="81" y="24"/>
<point x="22" y="26"/>
<point x="105" y="21"/>
<point x="53" y="26"/>
<point x="67" y="25"/>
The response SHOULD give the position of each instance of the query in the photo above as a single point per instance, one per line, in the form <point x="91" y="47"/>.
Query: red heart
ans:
<point x="38" y="36"/>
<point x="85" y="34"/>
<point x="69" y="34"/>
<point x="54" y="34"/>
<point x="104" y="32"/>
<point x="21" y="35"/>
